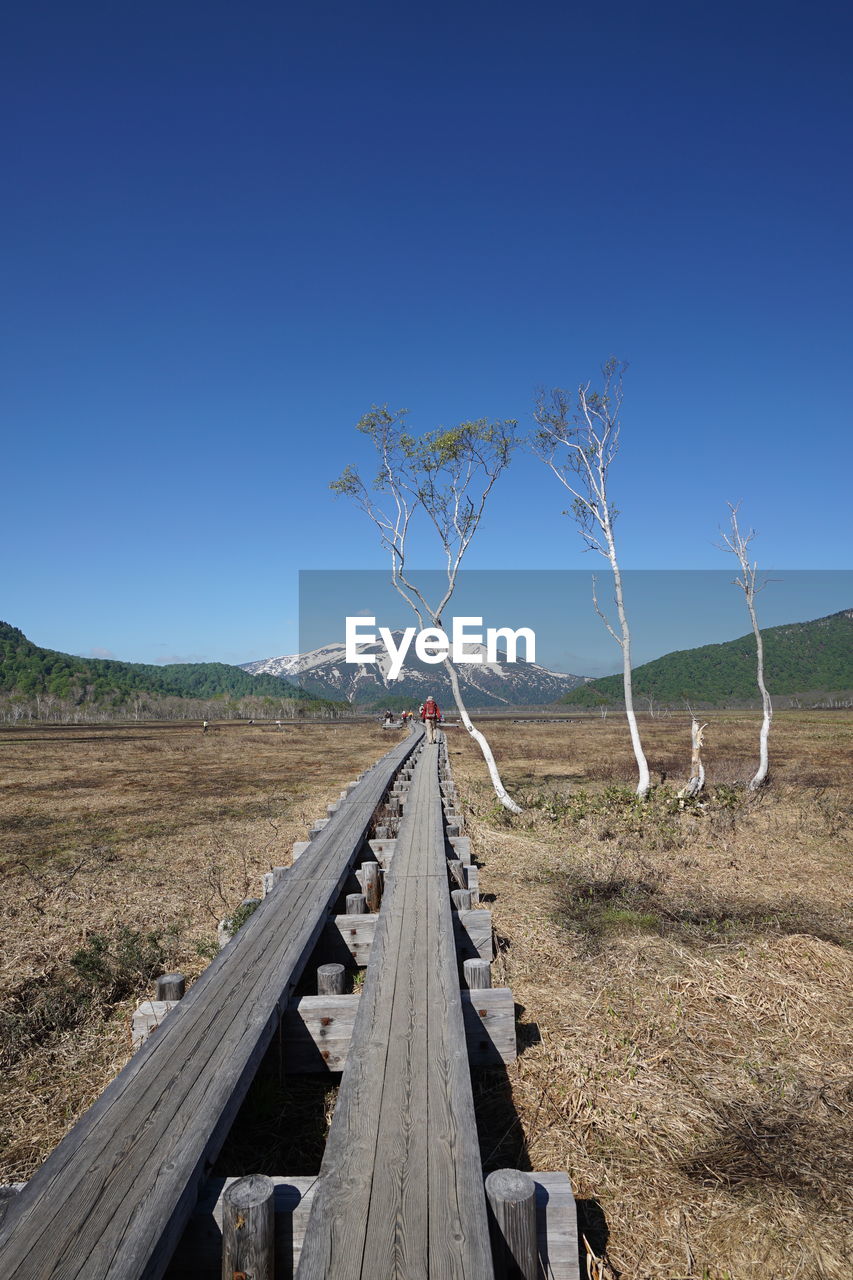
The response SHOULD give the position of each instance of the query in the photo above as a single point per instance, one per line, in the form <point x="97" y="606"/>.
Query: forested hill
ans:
<point x="799" y="658"/>
<point x="27" y="670"/>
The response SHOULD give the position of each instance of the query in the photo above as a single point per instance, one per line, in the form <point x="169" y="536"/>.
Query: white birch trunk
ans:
<point x="767" y="706"/>
<point x="738" y="544"/>
<point x="644" y="781"/>
<point x="480" y="739"/>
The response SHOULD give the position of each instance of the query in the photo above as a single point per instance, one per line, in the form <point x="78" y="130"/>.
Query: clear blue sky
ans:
<point x="227" y="230"/>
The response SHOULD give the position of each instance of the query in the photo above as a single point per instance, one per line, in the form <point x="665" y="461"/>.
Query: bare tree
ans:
<point x="738" y="544"/>
<point x="578" y="438"/>
<point x="696" y="780"/>
<point x="448" y="475"/>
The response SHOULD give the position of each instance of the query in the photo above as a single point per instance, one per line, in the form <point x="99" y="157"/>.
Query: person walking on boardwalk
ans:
<point x="430" y="715"/>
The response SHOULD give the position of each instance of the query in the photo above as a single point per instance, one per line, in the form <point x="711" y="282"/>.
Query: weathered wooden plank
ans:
<point x="488" y="1016"/>
<point x="148" y="1017"/>
<point x="113" y="1197"/>
<point x="459" y="1244"/>
<point x="557" y="1226"/>
<point x="462" y="847"/>
<point x="397" y="1237"/>
<point x="130" y="1159"/>
<point x="317" y="1033"/>
<point x="400" y="1191"/>
<point x="473" y="931"/>
<point x="317" y="1030"/>
<point x="342" y="1195"/>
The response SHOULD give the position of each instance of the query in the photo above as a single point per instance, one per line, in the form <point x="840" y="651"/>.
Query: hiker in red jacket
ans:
<point x="430" y="715"/>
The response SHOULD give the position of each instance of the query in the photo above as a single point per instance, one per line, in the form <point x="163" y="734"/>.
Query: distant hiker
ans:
<point x="204" y="726"/>
<point x="430" y="714"/>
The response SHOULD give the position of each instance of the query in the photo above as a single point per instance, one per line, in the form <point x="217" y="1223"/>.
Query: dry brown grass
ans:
<point x="685" y="979"/>
<point x="684" y="974"/>
<point x="159" y="829"/>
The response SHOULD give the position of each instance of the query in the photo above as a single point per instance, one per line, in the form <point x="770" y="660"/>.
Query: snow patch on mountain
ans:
<point x="325" y="671"/>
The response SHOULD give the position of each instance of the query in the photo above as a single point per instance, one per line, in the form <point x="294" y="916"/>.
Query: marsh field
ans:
<point x="682" y="972"/>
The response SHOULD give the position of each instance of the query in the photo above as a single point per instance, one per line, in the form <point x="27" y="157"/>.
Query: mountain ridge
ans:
<point x="30" y="670"/>
<point x="800" y="658"/>
<point x="325" y="672"/>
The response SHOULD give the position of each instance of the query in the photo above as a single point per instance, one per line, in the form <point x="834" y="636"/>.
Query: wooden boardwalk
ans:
<point x="115" y="1195"/>
<point x="401" y="1187"/>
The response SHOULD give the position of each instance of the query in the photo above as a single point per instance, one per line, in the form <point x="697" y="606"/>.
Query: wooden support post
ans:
<point x="248" y="1229"/>
<point x="171" y="986"/>
<point x="461" y="899"/>
<point x="512" y="1201"/>
<point x="457" y="873"/>
<point x="478" y="974"/>
<point x="356" y="904"/>
<point x="330" y="980"/>
<point x="371" y="883"/>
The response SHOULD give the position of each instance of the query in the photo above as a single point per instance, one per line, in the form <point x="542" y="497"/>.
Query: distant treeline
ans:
<point x="42" y="684"/>
<point x="800" y="658"/>
<point x="15" y="709"/>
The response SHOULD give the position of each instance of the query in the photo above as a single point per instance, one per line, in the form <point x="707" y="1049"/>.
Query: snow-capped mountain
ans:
<point x="488" y="684"/>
